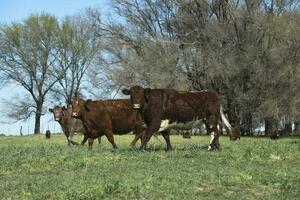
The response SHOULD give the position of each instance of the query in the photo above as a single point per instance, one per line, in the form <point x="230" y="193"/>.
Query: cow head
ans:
<point x="77" y="107"/>
<point x="58" y="112"/>
<point x="138" y="96"/>
<point x="235" y="133"/>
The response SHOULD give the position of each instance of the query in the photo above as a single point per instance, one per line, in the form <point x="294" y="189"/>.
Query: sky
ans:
<point x="18" y="10"/>
<point x="15" y="10"/>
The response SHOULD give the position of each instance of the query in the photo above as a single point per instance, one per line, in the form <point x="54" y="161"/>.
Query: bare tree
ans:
<point x="245" y="50"/>
<point x="28" y="57"/>
<point x="77" y="49"/>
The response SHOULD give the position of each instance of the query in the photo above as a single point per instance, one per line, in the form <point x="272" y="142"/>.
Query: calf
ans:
<point x="107" y="117"/>
<point x="156" y="105"/>
<point x="68" y="124"/>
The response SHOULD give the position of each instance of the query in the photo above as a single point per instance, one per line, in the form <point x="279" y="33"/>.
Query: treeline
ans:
<point x="248" y="51"/>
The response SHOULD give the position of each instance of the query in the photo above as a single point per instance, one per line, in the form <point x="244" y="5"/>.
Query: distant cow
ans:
<point x="274" y="135"/>
<point x="106" y="117"/>
<point x="68" y="124"/>
<point x="157" y="105"/>
<point x="48" y="134"/>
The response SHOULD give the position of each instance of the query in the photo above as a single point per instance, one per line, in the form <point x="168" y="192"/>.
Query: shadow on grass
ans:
<point x="150" y="148"/>
<point x="180" y="148"/>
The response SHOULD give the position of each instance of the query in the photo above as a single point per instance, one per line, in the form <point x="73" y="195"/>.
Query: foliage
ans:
<point x="247" y="51"/>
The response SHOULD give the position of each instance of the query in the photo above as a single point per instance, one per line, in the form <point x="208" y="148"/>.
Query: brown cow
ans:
<point x="156" y="105"/>
<point x="105" y="117"/>
<point x="68" y="124"/>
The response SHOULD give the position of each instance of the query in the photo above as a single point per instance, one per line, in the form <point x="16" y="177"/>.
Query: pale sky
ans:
<point x="17" y="10"/>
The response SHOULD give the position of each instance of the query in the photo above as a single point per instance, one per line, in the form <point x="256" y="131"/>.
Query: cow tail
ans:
<point x="225" y="121"/>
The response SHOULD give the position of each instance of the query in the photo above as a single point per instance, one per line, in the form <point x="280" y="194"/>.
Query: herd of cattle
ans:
<point x="146" y="112"/>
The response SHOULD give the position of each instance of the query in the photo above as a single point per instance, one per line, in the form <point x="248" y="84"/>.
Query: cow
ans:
<point x="106" y="117"/>
<point x="158" y="105"/>
<point x="274" y="134"/>
<point x="68" y="124"/>
<point x="48" y="134"/>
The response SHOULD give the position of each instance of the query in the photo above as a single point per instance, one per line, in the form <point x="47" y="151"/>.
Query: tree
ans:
<point x="133" y="49"/>
<point x="248" y="51"/>
<point x="77" y="49"/>
<point x="28" y="57"/>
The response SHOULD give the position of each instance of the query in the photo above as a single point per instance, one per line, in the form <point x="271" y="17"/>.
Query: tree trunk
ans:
<point x="38" y="115"/>
<point x="270" y="125"/>
<point x="232" y="115"/>
<point x="287" y="129"/>
<point x="297" y="128"/>
<point x="246" y="127"/>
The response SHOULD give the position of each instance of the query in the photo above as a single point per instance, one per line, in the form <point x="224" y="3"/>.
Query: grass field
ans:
<point x="32" y="167"/>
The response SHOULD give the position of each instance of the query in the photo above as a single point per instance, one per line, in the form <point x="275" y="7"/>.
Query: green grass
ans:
<point x="32" y="167"/>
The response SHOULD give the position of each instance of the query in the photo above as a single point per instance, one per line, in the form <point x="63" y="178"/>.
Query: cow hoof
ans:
<point x="169" y="149"/>
<point x="213" y="147"/>
<point x="142" y="149"/>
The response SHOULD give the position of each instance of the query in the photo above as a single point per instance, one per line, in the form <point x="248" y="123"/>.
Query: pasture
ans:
<point x="32" y="167"/>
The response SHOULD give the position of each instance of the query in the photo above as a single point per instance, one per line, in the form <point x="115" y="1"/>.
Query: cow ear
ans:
<point x="126" y="91"/>
<point x="147" y="94"/>
<point x="69" y="102"/>
<point x="50" y="110"/>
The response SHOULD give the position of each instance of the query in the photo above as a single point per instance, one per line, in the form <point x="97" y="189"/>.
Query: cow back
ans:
<point x="181" y="106"/>
<point x="116" y="115"/>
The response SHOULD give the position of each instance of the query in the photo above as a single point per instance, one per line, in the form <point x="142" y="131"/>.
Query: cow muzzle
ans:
<point x="74" y="114"/>
<point x="136" y="106"/>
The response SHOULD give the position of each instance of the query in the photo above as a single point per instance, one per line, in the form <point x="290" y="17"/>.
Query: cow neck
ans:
<point x="159" y="105"/>
<point x="84" y="115"/>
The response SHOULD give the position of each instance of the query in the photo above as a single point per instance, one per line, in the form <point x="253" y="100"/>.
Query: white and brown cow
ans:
<point x="69" y="125"/>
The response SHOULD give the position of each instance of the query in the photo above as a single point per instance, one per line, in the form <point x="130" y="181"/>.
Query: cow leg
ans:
<point x="110" y="137"/>
<point x="208" y="130"/>
<point x="67" y="136"/>
<point x="138" y="132"/>
<point x="166" y="136"/>
<point x="91" y="141"/>
<point x="136" y="138"/>
<point x="152" y="128"/>
<point x="70" y="138"/>
<point x="214" y="133"/>
<point x="85" y="138"/>
<point x="214" y="141"/>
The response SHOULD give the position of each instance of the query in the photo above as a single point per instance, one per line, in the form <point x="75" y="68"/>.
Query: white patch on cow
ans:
<point x="144" y="125"/>
<point x="74" y="114"/>
<point x="218" y="127"/>
<point x="136" y="106"/>
<point x="212" y="137"/>
<point x="56" y="119"/>
<point x="163" y="125"/>
<point x="182" y="126"/>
